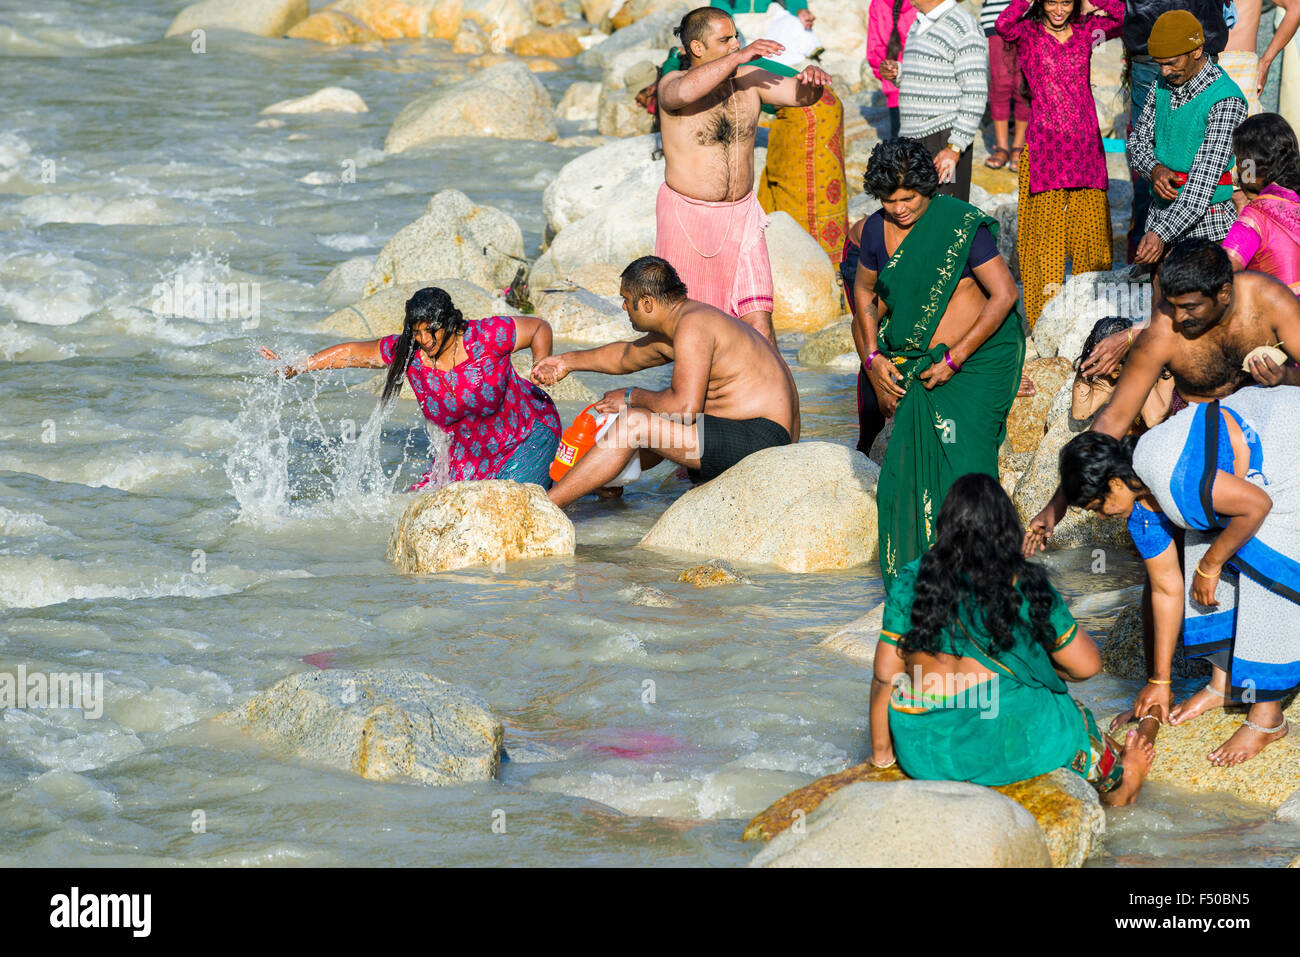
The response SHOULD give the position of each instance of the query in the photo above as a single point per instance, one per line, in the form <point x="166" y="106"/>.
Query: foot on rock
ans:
<point x="1207" y="699"/>
<point x="1027" y="387"/>
<point x="1246" y="742"/>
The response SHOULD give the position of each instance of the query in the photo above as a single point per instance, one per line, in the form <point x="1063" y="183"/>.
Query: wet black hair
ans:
<point x="976" y="563"/>
<point x="1090" y="460"/>
<point x="653" y="277"/>
<point x="431" y="306"/>
<point x="1101" y="330"/>
<point x="1267" y="141"/>
<point x="695" y="26"/>
<point x="900" y="163"/>
<point x="1195" y="265"/>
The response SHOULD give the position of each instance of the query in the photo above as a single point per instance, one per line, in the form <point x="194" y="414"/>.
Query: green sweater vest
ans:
<point x="1179" y="133"/>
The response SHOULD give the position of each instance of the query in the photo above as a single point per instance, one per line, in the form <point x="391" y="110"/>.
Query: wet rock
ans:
<point x="504" y="101"/>
<point x="267" y="18"/>
<point x="331" y="99"/>
<point x="383" y="313"/>
<point x="532" y="64"/>
<point x="1070" y="315"/>
<point x="651" y="32"/>
<point x="911" y="824"/>
<point x="1011" y="466"/>
<point x="455" y="237"/>
<point x="1123" y="655"/>
<point x="548" y="13"/>
<point x="334" y="28"/>
<point x="579" y="103"/>
<point x="619" y="114"/>
<point x="552" y="43"/>
<point x="615" y="234"/>
<point x="832" y="342"/>
<point x="504" y="21"/>
<point x="584" y="184"/>
<point x="568" y="389"/>
<point x="807" y="295"/>
<point x="1269" y="778"/>
<point x="805" y="507"/>
<point x="1078" y="528"/>
<point x="387" y="19"/>
<point x="858" y="638"/>
<point x="649" y="597"/>
<point x="346" y="282"/>
<point x="471" y="39"/>
<point x="1027" y="421"/>
<point x="881" y="443"/>
<point x="712" y="574"/>
<point x="385" y="725"/>
<point x="478" y="523"/>
<point x="580" y="316"/>
<point x="1066" y="810"/>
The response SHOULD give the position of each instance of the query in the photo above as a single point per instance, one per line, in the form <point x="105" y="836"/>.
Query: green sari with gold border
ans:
<point x="943" y="433"/>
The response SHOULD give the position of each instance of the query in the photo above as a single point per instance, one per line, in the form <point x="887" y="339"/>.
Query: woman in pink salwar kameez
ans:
<point x="1266" y="235"/>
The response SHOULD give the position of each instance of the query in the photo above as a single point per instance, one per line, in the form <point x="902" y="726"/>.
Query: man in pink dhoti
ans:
<point x="710" y="224"/>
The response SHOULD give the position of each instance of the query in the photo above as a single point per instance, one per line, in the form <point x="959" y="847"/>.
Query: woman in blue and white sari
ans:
<point x="1228" y="472"/>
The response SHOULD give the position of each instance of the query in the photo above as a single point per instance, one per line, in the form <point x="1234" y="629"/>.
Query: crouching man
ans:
<point x="731" y="393"/>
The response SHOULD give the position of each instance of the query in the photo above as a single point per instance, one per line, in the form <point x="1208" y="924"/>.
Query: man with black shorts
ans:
<point x="731" y="393"/>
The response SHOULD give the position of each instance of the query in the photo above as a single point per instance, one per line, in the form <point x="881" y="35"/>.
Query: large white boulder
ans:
<point x="803" y="508"/>
<point x="505" y="101"/>
<point x="579" y="103"/>
<point x="456" y="238"/>
<point x="383" y="313"/>
<point x="621" y="230"/>
<point x="583" y="185"/>
<point x="504" y="21"/>
<point x="478" y="523"/>
<point x="807" y="295"/>
<point x="346" y="282"/>
<point x="653" y="32"/>
<point x="912" y="824"/>
<point x="1068" y="317"/>
<point x="383" y="724"/>
<point x="577" y="315"/>
<point x="267" y="18"/>
<point x="330" y="99"/>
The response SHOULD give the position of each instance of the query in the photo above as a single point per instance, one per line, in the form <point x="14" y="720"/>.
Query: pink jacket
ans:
<point x="880" y="20"/>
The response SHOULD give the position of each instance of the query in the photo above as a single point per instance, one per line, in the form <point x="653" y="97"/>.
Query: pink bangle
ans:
<point x="947" y="357"/>
<point x="870" y="359"/>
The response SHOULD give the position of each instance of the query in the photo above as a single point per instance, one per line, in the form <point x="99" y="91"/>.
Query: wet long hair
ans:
<point x="1103" y="328"/>
<point x="1268" y="141"/>
<point x="1090" y="461"/>
<point x="431" y="306"/>
<point x="976" y="564"/>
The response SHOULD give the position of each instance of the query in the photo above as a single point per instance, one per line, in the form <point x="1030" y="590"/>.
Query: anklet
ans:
<point x="1263" y="730"/>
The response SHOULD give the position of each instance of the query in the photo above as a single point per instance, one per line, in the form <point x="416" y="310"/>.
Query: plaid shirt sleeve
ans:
<point x="1211" y="159"/>
<point x="1142" y="141"/>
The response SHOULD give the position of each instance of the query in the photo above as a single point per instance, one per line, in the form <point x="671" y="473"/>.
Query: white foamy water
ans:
<point x="178" y="519"/>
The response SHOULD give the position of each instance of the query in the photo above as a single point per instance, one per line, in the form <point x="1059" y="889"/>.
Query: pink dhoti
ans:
<point x="718" y="250"/>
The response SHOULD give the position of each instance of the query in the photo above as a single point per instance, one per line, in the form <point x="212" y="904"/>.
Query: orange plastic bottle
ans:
<point x="576" y="441"/>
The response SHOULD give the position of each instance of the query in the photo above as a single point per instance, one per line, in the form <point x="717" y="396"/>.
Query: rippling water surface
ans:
<point x="173" y="517"/>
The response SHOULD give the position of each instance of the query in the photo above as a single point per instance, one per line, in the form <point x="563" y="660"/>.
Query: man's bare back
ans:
<point x="747" y="377"/>
<point x="1244" y="32"/>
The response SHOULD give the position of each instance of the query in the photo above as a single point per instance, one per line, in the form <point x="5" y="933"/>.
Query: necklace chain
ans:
<point x="732" y="156"/>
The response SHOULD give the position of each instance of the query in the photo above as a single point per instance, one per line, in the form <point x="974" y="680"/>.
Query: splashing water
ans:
<point x="292" y="461"/>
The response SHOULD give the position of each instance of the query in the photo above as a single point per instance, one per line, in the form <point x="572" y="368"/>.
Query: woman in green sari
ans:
<point x="939" y="338"/>
<point x="974" y="653"/>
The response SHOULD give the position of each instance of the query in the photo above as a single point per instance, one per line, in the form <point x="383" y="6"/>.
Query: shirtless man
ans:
<point x="1239" y="58"/>
<point x="709" y="223"/>
<point x="1207" y="321"/>
<point x="731" y="393"/>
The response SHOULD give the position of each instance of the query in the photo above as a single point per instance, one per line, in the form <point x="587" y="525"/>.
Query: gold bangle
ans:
<point x="1158" y="681"/>
<point x="1130" y="337"/>
<point x="1204" y="575"/>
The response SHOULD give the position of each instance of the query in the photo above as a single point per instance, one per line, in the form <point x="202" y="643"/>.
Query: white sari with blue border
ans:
<point x="1258" y="617"/>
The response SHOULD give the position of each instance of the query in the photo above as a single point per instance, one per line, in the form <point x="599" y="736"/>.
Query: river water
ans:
<point x="175" y="518"/>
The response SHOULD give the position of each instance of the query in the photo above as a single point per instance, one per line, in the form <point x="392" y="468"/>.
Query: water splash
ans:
<point x="292" y="462"/>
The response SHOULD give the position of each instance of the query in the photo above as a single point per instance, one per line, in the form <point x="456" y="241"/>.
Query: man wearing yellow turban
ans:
<point x="1182" y="142"/>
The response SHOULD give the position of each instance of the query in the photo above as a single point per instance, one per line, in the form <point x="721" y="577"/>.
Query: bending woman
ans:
<point x="935" y="325"/>
<point x="500" y="425"/>
<point x="977" y="646"/>
<point x="1229" y="473"/>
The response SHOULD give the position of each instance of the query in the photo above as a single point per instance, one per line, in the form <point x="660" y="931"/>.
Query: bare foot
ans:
<point x="1136" y="757"/>
<point x="1027" y="387"/>
<point x="612" y="491"/>
<point x="1121" y="719"/>
<point x="1245" y="743"/>
<point x="1207" y="699"/>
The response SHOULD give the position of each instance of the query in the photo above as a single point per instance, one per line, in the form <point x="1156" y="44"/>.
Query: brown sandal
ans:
<point x="992" y="161"/>
<point x="1014" y="165"/>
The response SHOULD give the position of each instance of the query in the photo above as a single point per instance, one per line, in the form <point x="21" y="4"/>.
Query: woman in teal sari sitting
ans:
<point x="936" y="327"/>
<point x="973" y="658"/>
